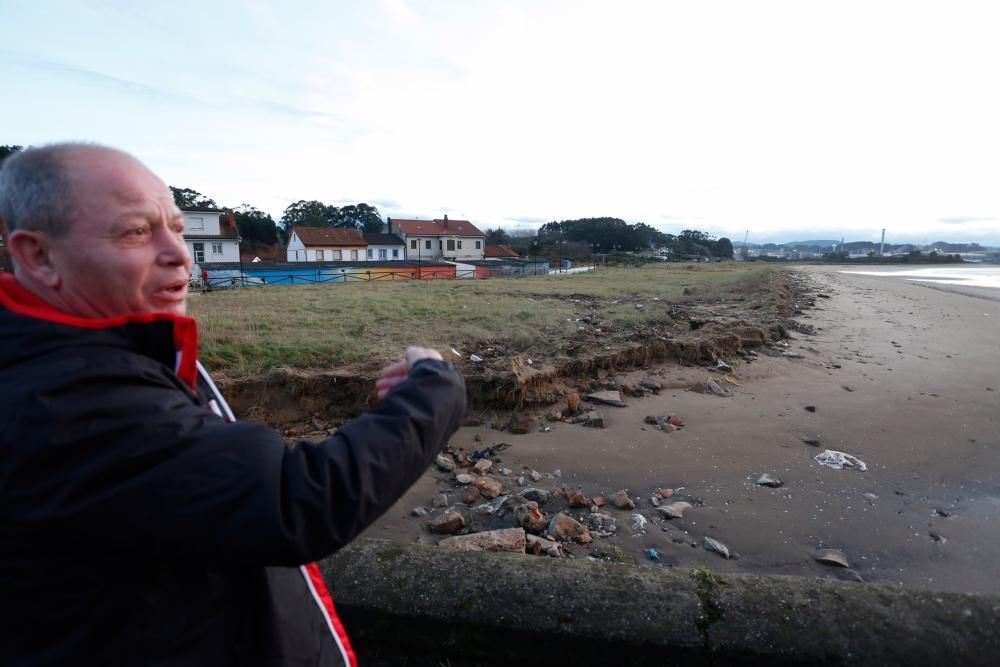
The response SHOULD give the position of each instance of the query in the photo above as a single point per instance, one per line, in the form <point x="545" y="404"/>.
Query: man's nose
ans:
<point x="173" y="250"/>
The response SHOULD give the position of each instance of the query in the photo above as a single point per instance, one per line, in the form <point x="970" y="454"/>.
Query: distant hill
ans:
<point x="822" y="243"/>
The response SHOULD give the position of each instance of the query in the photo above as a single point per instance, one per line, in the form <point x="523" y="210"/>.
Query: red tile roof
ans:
<point x="499" y="251"/>
<point x="329" y="236"/>
<point x="444" y="227"/>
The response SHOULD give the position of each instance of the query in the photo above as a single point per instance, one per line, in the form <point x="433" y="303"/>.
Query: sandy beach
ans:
<point x="902" y="375"/>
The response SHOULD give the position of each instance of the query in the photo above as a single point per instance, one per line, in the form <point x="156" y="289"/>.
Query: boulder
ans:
<point x="530" y="518"/>
<point x="505" y="539"/>
<point x="564" y="527"/>
<point x="621" y="500"/>
<point x="447" y="523"/>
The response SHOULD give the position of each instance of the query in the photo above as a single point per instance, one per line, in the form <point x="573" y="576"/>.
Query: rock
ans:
<point x="540" y="496"/>
<point x="489" y="487"/>
<point x="530" y="518"/>
<point x="665" y="493"/>
<point x="554" y="416"/>
<point x="519" y="424"/>
<point x="521" y="481"/>
<point x="639" y="523"/>
<point x="440" y="500"/>
<point x="810" y="408"/>
<point x="654" y="500"/>
<point x="870" y="498"/>
<point x="418" y="511"/>
<point x="535" y="476"/>
<point x="595" y="419"/>
<point x="609" y="552"/>
<point x="564" y="527"/>
<point x="573" y="402"/>
<point x="598" y="501"/>
<point x="674" y="510"/>
<point x="607" y="397"/>
<point x="718" y="390"/>
<point x="722" y="366"/>
<point x="651" y="420"/>
<point x="447" y="523"/>
<point x="477" y="437"/>
<point x="483" y="466"/>
<point x="847" y="387"/>
<point x="812" y="441"/>
<point x="600" y="525"/>
<point x="831" y="557"/>
<point x="577" y="499"/>
<point x="472" y="495"/>
<point x="621" y="500"/>
<point x="631" y="390"/>
<point x="445" y="463"/>
<point x="506" y="539"/>
<point x="537" y="546"/>
<point x="653" y="386"/>
<point x="718" y="547"/>
<point x="465" y="478"/>
<point x="675" y="420"/>
<point x="768" y="480"/>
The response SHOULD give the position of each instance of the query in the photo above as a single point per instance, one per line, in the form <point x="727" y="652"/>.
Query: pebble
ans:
<point x="472" y="495"/>
<point x="621" y="500"/>
<point x="418" y="511"/>
<point x="811" y="440"/>
<point x="564" y="527"/>
<point x="440" y="500"/>
<point x="465" y="478"/>
<point x="488" y="487"/>
<point x="483" y="466"/>
<point x="445" y="463"/>
<point x="530" y="518"/>
<point x="511" y="540"/>
<point x="769" y="480"/>
<point x="535" y="476"/>
<point x="578" y="499"/>
<point x="446" y="523"/>
<point x="870" y="497"/>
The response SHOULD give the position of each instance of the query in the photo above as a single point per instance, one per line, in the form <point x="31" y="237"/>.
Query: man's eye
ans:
<point x="137" y="232"/>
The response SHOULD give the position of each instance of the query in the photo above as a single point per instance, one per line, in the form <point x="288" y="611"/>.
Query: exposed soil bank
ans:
<point x="426" y="606"/>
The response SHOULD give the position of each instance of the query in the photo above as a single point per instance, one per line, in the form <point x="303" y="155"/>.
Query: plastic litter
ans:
<point x="639" y="523"/>
<point x="718" y="390"/>
<point x="456" y="352"/>
<point x="652" y="554"/>
<point x="840" y="460"/>
<point x="475" y="358"/>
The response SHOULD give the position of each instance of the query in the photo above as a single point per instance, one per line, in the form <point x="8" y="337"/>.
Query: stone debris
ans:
<point x="445" y="463"/>
<point x="665" y="493"/>
<point x="810" y="440"/>
<point x="483" y="466"/>
<point x="718" y="390"/>
<point x="769" y="480"/>
<point x="831" y="557"/>
<point x="539" y="545"/>
<point x="487" y="509"/>
<point x="573" y="403"/>
<point x="519" y="425"/>
<point x="540" y="496"/>
<point x="440" y="500"/>
<point x="595" y="419"/>
<point x="639" y="523"/>
<point x="472" y="495"/>
<point x="598" y="501"/>
<point x="600" y="525"/>
<point x="621" y="500"/>
<point x="465" y="478"/>
<point x="718" y="547"/>
<point x="577" y="499"/>
<point x="418" y="511"/>
<point x="564" y="528"/>
<point x="870" y="498"/>
<point x="530" y="518"/>
<point x="674" y="510"/>
<point x="489" y="487"/>
<point x="506" y="539"/>
<point x="447" y="523"/>
<point x="607" y="398"/>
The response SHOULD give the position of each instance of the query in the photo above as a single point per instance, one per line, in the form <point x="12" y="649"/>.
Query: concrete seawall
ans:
<point x="418" y="605"/>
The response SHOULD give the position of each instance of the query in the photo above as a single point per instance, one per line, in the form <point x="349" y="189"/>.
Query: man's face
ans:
<point x="124" y="252"/>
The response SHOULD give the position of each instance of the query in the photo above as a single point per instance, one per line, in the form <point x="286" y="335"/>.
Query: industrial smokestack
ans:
<point x="881" y="248"/>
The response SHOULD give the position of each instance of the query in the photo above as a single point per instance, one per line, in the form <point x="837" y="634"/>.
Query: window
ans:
<point x="459" y="245"/>
<point x="440" y="244"/>
<point x="427" y="245"/>
<point x="216" y="248"/>
<point x="199" y="253"/>
<point x="451" y="245"/>
<point x="296" y="255"/>
<point x="413" y="245"/>
<point x="196" y="224"/>
<point x="335" y="255"/>
<point x="383" y="253"/>
<point x="479" y="245"/>
<point x="319" y="255"/>
<point x="395" y="253"/>
<point x="371" y="253"/>
<point x="354" y="255"/>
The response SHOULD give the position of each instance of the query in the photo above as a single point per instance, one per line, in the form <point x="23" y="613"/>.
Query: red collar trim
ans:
<point x="17" y="299"/>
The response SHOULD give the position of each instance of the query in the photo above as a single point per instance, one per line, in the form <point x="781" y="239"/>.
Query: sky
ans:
<point x="790" y="120"/>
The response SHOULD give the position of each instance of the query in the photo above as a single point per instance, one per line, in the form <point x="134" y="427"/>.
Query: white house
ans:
<point x="452" y="240"/>
<point x="210" y="235"/>
<point x="326" y="244"/>
<point x="384" y="247"/>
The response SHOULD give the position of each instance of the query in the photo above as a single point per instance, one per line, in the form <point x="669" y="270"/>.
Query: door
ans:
<point x="354" y="255"/>
<point x="199" y="253"/>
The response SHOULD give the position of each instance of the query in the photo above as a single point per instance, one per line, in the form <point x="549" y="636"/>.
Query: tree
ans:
<point x="308" y="214"/>
<point x="360" y="216"/>
<point x="256" y="227"/>
<point x="188" y="198"/>
<point x="7" y="151"/>
<point x="498" y="236"/>
<point x="723" y="248"/>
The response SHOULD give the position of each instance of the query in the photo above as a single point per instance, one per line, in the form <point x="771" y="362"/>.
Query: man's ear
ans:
<point x="31" y="252"/>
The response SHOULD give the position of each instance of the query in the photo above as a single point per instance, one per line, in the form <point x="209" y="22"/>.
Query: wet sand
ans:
<point x="923" y="415"/>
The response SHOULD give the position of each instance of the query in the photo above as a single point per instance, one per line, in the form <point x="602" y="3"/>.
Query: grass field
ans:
<point x="248" y="330"/>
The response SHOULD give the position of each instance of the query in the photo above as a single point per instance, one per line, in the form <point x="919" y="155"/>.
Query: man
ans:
<point x="140" y="523"/>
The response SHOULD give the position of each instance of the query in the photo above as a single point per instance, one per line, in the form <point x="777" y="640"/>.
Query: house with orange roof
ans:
<point x="452" y="240"/>
<point x="326" y="244"/>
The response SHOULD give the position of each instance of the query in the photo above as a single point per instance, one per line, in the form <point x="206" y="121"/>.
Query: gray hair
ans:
<point x="35" y="191"/>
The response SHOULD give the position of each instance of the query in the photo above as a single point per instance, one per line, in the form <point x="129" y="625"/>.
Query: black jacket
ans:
<point x="138" y="527"/>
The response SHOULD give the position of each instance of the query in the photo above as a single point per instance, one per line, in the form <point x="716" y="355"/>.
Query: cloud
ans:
<point x="962" y="219"/>
<point x="386" y="203"/>
<point x="528" y="219"/>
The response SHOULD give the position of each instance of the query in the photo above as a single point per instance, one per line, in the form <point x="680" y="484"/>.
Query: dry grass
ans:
<point x="365" y="324"/>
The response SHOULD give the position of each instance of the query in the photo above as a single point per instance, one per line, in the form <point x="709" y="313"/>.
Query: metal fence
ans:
<point x="223" y="279"/>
